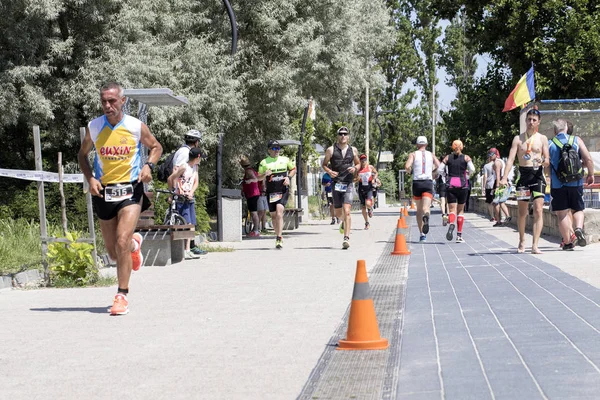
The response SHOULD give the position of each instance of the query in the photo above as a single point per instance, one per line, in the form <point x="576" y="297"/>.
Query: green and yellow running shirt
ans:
<point x="279" y="167"/>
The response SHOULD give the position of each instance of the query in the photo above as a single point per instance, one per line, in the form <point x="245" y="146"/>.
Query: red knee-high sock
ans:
<point x="461" y="220"/>
<point x="451" y="217"/>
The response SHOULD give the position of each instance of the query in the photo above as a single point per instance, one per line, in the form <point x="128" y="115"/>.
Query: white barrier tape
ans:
<point x="40" y="176"/>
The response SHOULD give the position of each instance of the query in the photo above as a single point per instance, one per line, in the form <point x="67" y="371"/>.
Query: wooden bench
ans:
<point x="163" y="244"/>
<point x="291" y="218"/>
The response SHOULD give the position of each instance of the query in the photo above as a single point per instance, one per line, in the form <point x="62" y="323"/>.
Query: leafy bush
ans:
<point x="72" y="263"/>
<point x="388" y="182"/>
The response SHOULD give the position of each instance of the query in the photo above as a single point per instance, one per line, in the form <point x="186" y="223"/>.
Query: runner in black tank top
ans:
<point x="456" y="166"/>
<point x="341" y="163"/>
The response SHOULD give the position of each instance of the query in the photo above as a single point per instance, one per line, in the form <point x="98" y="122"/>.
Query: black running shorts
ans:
<point x="533" y="179"/>
<point x="457" y="195"/>
<point x="283" y="201"/>
<point x="106" y="210"/>
<point x="422" y="189"/>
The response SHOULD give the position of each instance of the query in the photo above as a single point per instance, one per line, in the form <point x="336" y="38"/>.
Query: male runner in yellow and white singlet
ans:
<point x="117" y="183"/>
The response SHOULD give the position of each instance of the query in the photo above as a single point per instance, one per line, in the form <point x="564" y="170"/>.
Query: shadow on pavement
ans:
<point x="316" y="248"/>
<point x="93" y="310"/>
<point x="257" y="248"/>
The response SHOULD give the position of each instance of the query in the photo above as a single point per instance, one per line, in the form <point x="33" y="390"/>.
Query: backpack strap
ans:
<point x="558" y="143"/>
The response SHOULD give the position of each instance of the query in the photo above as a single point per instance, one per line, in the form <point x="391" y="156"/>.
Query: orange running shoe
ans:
<point x="120" y="305"/>
<point x="137" y="258"/>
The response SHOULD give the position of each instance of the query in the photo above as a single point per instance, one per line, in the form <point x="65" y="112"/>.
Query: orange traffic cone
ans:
<point x="401" y="223"/>
<point x="405" y="212"/>
<point x="400" y="248"/>
<point x="363" y="330"/>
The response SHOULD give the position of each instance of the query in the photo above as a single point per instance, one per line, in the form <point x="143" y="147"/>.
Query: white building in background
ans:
<point x="386" y="160"/>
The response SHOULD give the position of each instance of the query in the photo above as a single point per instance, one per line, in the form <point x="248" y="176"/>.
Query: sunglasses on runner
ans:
<point x="343" y="133"/>
<point x="275" y="148"/>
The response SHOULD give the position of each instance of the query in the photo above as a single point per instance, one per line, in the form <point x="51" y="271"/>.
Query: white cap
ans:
<point x="421" y="140"/>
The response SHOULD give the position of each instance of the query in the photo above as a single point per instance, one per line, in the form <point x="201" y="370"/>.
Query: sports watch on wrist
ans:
<point x="151" y="165"/>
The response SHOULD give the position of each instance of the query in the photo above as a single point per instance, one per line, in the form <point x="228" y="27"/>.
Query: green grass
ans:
<point x="20" y="246"/>
<point x="216" y="248"/>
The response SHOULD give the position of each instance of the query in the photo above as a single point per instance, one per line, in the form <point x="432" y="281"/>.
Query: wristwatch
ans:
<point x="151" y="165"/>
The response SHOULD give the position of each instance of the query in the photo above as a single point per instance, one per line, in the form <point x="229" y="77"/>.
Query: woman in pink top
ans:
<point x="251" y="189"/>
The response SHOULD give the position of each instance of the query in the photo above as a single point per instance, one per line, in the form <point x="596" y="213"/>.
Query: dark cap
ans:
<point x="273" y="143"/>
<point x="493" y="151"/>
<point x="363" y="157"/>
<point x="196" y="152"/>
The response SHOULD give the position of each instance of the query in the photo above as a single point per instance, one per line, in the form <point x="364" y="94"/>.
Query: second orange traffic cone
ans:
<point x="400" y="248"/>
<point x="405" y="212"/>
<point x="363" y="330"/>
<point x="401" y="223"/>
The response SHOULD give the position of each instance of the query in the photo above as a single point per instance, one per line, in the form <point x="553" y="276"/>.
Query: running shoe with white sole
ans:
<point x="459" y="239"/>
<point x="444" y="220"/>
<point x="426" y="224"/>
<point x="137" y="259"/>
<point x="120" y="305"/>
<point x="346" y="242"/>
<point x="422" y="238"/>
<point x="279" y="243"/>
<point x="581" y="240"/>
<point x="367" y="225"/>
<point x="450" y="233"/>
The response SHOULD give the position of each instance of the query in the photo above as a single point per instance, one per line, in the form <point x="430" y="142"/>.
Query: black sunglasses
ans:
<point x="275" y="148"/>
<point x="343" y="133"/>
<point x="534" y="111"/>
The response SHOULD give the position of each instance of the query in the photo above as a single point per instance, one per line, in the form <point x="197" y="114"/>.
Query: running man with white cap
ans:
<point x="421" y="163"/>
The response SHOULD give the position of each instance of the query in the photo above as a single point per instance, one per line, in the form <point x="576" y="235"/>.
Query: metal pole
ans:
<point x="37" y="146"/>
<point x="433" y="120"/>
<point x="367" y="121"/>
<point x="90" y="209"/>
<point x="143" y="116"/>
<point x="63" y="206"/>
<point x="233" y="26"/>
<point x="220" y="188"/>
<point x="299" y="160"/>
<point x="380" y="141"/>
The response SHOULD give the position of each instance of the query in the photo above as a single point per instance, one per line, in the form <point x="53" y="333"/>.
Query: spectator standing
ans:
<point x="489" y="179"/>
<point x="180" y="159"/>
<point x="327" y="195"/>
<point x="251" y="189"/>
<point x="184" y="180"/>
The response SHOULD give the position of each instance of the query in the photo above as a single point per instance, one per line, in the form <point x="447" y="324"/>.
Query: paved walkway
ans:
<point x="483" y="322"/>
<point x="469" y="320"/>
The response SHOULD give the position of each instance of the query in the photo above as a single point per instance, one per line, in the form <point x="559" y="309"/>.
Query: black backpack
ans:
<point x="165" y="169"/>
<point x="569" y="168"/>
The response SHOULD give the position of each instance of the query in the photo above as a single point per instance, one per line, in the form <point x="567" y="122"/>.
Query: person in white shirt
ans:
<point x="421" y="164"/>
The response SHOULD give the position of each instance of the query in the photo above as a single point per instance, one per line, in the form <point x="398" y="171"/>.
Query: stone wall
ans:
<point x="591" y="224"/>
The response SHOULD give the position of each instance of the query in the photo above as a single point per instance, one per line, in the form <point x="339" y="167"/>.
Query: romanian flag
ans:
<point x="523" y="93"/>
